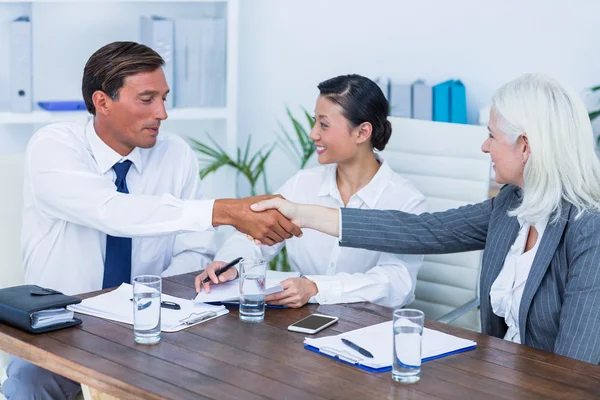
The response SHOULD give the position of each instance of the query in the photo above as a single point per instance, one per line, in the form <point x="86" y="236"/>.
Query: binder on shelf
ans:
<point x="187" y="64"/>
<point x="213" y="61"/>
<point x="157" y="33"/>
<point x="378" y="340"/>
<point x="21" y="74"/>
<point x="422" y="101"/>
<point x="450" y="102"/>
<point x="458" y="103"/>
<point x="400" y="100"/>
<point x="441" y="101"/>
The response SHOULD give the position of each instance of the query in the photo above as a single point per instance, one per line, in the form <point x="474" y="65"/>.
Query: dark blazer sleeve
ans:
<point x="456" y="230"/>
<point x="578" y="334"/>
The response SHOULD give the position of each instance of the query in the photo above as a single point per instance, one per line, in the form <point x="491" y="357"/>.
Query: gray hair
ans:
<point x="563" y="164"/>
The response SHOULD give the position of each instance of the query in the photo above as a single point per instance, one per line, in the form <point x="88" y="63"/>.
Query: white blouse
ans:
<point x="507" y="289"/>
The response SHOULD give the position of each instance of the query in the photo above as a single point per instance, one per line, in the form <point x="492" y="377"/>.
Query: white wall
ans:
<point x="288" y="47"/>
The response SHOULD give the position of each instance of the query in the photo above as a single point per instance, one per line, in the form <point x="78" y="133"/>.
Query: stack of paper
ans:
<point x="44" y="318"/>
<point x="230" y="291"/>
<point x="117" y="306"/>
<point x="378" y="339"/>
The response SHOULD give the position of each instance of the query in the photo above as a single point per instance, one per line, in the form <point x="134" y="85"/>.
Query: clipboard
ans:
<point x="116" y="306"/>
<point x="378" y="339"/>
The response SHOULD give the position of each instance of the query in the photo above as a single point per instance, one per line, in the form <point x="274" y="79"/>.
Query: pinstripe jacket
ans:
<point x="560" y="307"/>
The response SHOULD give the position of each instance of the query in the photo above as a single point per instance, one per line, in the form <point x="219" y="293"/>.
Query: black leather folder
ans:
<point x="18" y="304"/>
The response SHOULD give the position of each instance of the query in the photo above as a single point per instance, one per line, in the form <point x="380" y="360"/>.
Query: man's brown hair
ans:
<point x="108" y="67"/>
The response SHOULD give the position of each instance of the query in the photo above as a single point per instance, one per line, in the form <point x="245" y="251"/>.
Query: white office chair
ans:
<point x="445" y="162"/>
<point x="11" y="203"/>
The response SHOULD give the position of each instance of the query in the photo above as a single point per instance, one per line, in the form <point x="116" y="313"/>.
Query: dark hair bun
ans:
<point x="379" y="141"/>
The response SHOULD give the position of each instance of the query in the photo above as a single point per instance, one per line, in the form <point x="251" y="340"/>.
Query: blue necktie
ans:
<point x="117" y="262"/>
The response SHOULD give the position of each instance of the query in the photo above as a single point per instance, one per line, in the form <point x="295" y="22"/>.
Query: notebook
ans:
<point x="229" y="292"/>
<point x="378" y="339"/>
<point x="117" y="306"/>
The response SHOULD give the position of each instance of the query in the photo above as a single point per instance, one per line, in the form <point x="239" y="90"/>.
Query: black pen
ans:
<point x="225" y="268"/>
<point x="356" y="347"/>
<point x="164" y="304"/>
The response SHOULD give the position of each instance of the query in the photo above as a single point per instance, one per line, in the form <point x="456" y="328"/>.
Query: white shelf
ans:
<point x="49" y="117"/>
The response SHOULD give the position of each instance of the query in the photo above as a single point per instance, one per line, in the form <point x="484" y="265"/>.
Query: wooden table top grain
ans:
<point x="228" y="359"/>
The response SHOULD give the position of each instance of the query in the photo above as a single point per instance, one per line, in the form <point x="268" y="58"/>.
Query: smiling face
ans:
<point x="335" y="140"/>
<point x="508" y="158"/>
<point x="133" y="119"/>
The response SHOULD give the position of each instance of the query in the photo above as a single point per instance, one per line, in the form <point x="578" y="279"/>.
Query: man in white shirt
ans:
<point x="111" y="201"/>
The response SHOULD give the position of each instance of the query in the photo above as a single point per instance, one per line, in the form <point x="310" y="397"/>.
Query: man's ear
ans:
<point x="102" y="102"/>
<point x="365" y="130"/>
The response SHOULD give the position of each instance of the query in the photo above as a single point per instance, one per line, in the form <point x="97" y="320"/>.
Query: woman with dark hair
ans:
<point x="351" y="122"/>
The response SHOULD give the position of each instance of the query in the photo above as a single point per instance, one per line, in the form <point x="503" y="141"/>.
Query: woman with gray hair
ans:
<point x="540" y="277"/>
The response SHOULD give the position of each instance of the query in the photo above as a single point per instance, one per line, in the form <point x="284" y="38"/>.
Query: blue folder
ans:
<point x="376" y="338"/>
<point x="385" y="369"/>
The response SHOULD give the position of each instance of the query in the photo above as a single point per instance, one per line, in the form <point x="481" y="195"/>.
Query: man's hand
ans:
<point x="296" y="292"/>
<point x="269" y="227"/>
<point x="210" y="270"/>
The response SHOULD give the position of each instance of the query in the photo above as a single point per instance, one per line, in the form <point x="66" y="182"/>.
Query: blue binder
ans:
<point x="450" y="102"/>
<point x="441" y="101"/>
<point x="458" y="103"/>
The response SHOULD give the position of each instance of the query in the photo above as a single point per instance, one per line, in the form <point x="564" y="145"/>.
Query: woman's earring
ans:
<point x="524" y="162"/>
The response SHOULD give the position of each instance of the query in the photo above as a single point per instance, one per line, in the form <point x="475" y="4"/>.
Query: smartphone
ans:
<point x="313" y="323"/>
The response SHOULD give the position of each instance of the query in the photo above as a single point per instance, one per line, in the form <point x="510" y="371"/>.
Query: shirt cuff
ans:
<point x="330" y="290"/>
<point x="340" y="225"/>
<point x="197" y="215"/>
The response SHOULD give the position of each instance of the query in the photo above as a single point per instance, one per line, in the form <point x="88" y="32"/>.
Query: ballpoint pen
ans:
<point x="164" y="304"/>
<point x="225" y="268"/>
<point x="356" y="347"/>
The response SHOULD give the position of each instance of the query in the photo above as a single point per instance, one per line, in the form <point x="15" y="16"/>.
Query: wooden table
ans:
<point x="227" y="359"/>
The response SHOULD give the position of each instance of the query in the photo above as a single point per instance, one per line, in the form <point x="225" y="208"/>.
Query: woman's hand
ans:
<point x="210" y="271"/>
<point x="289" y="210"/>
<point x="296" y="293"/>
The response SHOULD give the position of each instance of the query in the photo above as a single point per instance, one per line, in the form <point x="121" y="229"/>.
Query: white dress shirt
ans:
<point x="344" y="275"/>
<point x="71" y="203"/>
<point x="507" y="290"/>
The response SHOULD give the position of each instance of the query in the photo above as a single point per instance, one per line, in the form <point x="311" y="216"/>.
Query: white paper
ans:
<point x="117" y="306"/>
<point x="230" y="291"/>
<point x="378" y="339"/>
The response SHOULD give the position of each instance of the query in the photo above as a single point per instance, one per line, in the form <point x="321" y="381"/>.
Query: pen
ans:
<point x="356" y="347"/>
<point x="164" y="304"/>
<point x="225" y="268"/>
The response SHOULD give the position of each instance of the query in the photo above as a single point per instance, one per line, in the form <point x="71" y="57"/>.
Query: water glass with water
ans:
<point x="146" y="308"/>
<point x="408" y="334"/>
<point x="252" y="289"/>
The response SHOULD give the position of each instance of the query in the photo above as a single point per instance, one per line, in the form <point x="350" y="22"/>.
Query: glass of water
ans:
<point x="408" y="332"/>
<point x="146" y="308"/>
<point x="252" y="289"/>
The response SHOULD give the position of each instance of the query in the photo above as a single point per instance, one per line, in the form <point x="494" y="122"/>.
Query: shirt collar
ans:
<point x="369" y="194"/>
<point x="105" y="156"/>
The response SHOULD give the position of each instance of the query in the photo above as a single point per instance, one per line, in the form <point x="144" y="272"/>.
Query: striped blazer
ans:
<point x="560" y="307"/>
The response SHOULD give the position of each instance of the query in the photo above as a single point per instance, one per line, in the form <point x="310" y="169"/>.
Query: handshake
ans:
<point x="267" y="222"/>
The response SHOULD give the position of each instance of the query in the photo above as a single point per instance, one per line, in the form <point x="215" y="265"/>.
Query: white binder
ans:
<point x="21" y="96"/>
<point x="157" y="33"/>
<point x="187" y="63"/>
<point x="422" y="101"/>
<point x="213" y="61"/>
<point x="400" y="100"/>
